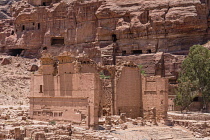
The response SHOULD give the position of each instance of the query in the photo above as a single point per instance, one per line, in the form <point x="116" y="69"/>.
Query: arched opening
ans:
<point x="38" y="26"/>
<point x="44" y="4"/>
<point x="15" y="52"/>
<point x="23" y="27"/>
<point x="12" y="33"/>
<point x="44" y="48"/>
<point x="144" y="17"/>
<point x="114" y="37"/>
<point x="196" y="99"/>
<point x="149" y="51"/>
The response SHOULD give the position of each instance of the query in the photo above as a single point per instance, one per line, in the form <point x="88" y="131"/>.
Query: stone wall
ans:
<point x="136" y="94"/>
<point x="155" y="95"/>
<point x="69" y="88"/>
<point x="61" y="93"/>
<point x="162" y="64"/>
<point x="128" y="92"/>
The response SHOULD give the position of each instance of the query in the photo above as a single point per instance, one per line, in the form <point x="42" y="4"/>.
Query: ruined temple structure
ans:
<point x="66" y="91"/>
<point x="71" y="88"/>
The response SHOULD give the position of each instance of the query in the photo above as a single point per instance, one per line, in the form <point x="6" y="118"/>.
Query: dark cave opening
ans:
<point x="57" y="41"/>
<point x="15" y="52"/>
<point x="137" y="51"/>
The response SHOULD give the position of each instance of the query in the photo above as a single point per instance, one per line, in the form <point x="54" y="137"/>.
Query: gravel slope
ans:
<point x="15" y="80"/>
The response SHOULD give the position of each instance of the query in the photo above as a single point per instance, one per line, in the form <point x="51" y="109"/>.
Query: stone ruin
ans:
<point x="73" y="89"/>
<point x="66" y="90"/>
<point x="155" y="35"/>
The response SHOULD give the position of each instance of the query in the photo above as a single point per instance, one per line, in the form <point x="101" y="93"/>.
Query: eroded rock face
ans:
<point x="5" y="8"/>
<point x="6" y="22"/>
<point x="136" y="26"/>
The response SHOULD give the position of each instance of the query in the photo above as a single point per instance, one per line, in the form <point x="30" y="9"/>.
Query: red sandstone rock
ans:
<point x="137" y="26"/>
<point x="6" y="61"/>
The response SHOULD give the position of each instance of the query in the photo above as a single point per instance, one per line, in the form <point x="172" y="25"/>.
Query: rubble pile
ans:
<point x="15" y="79"/>
<point x="190" y="116"/>
<point x="142" y="128"/>
<point x="16" y="124"/>
<point x="198" y="123"/>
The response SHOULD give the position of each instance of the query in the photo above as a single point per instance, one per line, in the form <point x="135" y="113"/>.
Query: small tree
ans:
<point x="195" y="75"/>
<point x="141" y="70"/>
<point x="184" y="95"/>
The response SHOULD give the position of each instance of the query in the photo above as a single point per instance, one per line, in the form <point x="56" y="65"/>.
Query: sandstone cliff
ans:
<point x="5" y="8"/>
<point x="136" y="26"/>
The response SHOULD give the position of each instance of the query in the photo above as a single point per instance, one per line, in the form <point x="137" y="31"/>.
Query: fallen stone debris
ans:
<point x="109" y="128"/>
<point x="6" y="61"/>
<point x="198" y="123"/>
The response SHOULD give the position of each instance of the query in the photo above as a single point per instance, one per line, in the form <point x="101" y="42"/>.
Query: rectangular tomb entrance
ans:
<point x="15" y="52"/>
<point x="57" y="41"/>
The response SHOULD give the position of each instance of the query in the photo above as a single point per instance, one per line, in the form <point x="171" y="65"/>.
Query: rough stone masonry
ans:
<point x="70" y="88"/>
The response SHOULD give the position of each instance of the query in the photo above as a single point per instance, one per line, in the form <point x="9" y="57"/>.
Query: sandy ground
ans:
<point x="154" y="133"/>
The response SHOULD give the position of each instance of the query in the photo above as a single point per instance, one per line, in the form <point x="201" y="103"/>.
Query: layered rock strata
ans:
<point x="135" y="27"/>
